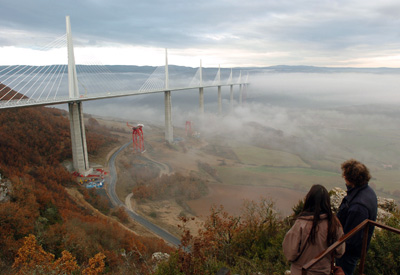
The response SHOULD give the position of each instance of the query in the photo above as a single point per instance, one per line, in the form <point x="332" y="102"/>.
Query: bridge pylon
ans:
<point x="80" y="158"/>
<point x="219" y="91"/>
<point x="240" y="89"/>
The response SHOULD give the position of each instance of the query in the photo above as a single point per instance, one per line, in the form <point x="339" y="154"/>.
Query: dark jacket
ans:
<point x="359" y="204"/>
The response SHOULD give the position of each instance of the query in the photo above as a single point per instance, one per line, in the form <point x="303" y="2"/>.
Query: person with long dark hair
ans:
<point x="315" y="229"/>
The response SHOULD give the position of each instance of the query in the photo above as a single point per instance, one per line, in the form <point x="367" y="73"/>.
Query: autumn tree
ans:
<point x="66" y="264"/>
<point x="32" y="258"/>
<point x="96" y="265"/>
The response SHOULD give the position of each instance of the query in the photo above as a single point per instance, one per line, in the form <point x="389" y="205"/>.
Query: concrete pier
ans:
<point x="78" y="138"/>
<point x="201" y="100"/>
<point x="231" y="98"/>
<point x="240" y="95"/>
<point x="169" y="136"/>
<point x="219" y="101"/>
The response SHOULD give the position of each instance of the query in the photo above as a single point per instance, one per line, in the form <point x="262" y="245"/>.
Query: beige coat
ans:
<point x="296" y="239"/>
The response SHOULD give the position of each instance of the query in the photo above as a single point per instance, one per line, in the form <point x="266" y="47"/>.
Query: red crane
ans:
<point x="188" y="128"/>
<point x="137" y="137"/>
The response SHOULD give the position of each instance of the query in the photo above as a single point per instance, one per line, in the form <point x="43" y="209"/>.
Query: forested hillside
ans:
<point x="33" y="143"/>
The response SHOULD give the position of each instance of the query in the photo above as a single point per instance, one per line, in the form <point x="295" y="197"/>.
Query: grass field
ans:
<point x="268" y="167"/>
<point x="389" y="180"/>
<point x="259" y="156"/>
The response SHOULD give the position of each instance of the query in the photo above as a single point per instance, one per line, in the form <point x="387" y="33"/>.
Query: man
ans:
<point x="359" y="204"/>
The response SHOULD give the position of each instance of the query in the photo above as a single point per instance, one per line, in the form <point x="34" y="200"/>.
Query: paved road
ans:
<point x="117" y="202"/>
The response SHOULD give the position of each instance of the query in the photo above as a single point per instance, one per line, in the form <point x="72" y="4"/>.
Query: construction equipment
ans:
<point x="137" y="137"/>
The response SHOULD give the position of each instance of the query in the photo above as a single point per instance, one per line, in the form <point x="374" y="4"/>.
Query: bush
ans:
<point x="245" y="244"/>
<point x="383" y="255"/>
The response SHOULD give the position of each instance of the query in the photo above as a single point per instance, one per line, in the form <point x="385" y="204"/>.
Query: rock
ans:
<point x="385" y="206"/>
<point x="383" y="214"/>
<point x="337" y="194"/>
<point x="159" y="257"/>
<point x="5" y="190"/>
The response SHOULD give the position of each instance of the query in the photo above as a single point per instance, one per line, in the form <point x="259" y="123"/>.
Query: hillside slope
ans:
<point x="33" y="143"/>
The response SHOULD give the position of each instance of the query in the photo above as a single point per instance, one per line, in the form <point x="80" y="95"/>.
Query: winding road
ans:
<point x="117" y="202"/>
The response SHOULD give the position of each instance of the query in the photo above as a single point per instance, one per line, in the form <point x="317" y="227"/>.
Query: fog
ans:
<point x="324" y="118"/>
<point x="283" y="101"/>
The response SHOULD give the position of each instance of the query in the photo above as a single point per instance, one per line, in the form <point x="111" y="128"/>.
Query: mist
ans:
<point x="287" y="102"/>
<point x="324" y="118"/>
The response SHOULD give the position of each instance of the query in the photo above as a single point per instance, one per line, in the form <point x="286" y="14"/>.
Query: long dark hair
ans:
<point x="318" y="202"/>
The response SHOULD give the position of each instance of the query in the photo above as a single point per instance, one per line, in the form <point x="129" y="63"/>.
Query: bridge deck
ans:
<point x="19" y="103"/>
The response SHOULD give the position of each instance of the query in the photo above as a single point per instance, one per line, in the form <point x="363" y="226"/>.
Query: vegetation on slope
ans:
<point x="251" y="243"/>
<point x="33" y="142"/>
<point x="245" y="244"/>
<point x="171" y="186"/>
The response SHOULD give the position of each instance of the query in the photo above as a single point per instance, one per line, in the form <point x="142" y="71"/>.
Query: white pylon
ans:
<point x="166" y="70"/>
<point x="72" y="78"/>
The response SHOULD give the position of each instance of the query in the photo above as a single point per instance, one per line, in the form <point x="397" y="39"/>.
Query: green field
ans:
<point x="301" y="169"/>
<point x="252" y="155"/>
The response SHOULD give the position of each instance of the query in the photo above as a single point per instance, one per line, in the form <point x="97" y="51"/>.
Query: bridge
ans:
<point x="25" y="86"/>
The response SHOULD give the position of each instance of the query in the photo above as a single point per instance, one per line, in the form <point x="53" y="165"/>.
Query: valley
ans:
<point x="234" y="171"/>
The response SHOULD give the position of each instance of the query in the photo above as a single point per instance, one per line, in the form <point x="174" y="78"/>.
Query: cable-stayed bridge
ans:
<point x="25" y="86"/>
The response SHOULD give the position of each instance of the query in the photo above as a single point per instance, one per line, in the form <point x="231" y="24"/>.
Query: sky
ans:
<point x="351" y="33"/>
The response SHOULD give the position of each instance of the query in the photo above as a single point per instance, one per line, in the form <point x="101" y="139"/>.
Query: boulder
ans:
<point x="385" y="205"/>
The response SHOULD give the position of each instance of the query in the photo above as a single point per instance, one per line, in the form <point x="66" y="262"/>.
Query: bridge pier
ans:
<point x="231" y="98"/>
<point x="201" y="100"/>
<point x="78" y="138"/>
<point x="219" y="101"/>
<point x="169" y="136"/>
<point x="240" y="95"/>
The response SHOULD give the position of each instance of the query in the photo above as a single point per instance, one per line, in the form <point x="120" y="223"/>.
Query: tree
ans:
<point x="66" y="264"/>
<point x="383" y="255"/>
<point x="96" y="265"/>
<point x="32" y="258"/>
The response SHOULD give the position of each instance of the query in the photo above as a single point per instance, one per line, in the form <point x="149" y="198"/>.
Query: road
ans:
<point x="164" y="169"/>
<point x="117" y="202"/>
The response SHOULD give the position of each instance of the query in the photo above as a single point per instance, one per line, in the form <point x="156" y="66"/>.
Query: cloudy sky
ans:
<point x="348" y="33"/>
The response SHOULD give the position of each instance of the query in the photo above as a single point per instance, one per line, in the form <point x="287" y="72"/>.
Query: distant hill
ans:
<point x="6" y="93"/>
<point x="213" y="70"/>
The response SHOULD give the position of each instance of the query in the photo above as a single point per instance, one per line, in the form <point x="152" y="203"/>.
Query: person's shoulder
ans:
<point x="369" y="189"/>
<point x="370" y="194"/>
<point x="305" y="218"/>
<point x="302" y="221"/>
